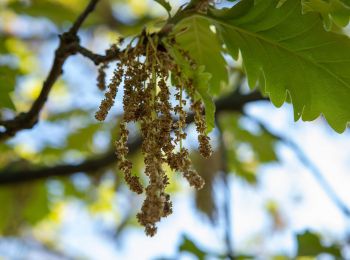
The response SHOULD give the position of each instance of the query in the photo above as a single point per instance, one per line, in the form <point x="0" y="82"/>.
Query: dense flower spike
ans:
<point x="124" y="164"/>
<point x="110" y="95"/>
<point x="145" y="70"/>
<point x="101" y="78"/>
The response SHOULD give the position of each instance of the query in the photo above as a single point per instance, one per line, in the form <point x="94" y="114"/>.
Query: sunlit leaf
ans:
<point x="291" y="53"/>
<point x="337" y="11"/>
<point x="194" y="35"/>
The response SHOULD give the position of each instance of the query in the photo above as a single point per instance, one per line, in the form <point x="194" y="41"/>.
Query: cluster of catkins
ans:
<point x="145" y="71"/>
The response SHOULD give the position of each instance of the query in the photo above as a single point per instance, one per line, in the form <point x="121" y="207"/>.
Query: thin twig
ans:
<point x="98" y="58"/>
<point x="82" y="17"/>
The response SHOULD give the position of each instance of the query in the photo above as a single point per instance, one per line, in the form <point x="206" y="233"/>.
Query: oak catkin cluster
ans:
<point x="145" y="71"/>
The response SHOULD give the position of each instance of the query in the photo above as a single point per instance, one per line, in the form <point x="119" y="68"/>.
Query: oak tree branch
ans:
<point x="67" y="47"/>
<point x="233" y="102"/>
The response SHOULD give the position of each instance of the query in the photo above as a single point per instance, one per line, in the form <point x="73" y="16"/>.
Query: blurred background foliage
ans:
<point x="69" y="134"/>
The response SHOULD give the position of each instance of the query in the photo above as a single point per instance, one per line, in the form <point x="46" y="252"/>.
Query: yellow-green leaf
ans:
<point x="289" y="53"/>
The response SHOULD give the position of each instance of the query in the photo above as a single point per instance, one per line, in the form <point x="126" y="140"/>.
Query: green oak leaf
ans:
<point x="289" y="53"/>
<point x="337" y="11"/>
<point x="194" y="35"/>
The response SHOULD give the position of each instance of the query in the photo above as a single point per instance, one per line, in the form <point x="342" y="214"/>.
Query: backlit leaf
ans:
<point x="289" y="53"/>
<point x="194" y="35"/>
<point x="337" y="11"/>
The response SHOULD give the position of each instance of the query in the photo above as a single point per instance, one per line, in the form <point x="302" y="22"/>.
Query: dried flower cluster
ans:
<point x="145" y="72"/>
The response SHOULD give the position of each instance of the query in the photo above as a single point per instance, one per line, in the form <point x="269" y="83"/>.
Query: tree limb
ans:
<point x="233" y="102"/>
<point x="67" y="47"/>
<point x="82" y="17"/>
<point x="91" y="165"/>
<point x="97" y="58"/>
